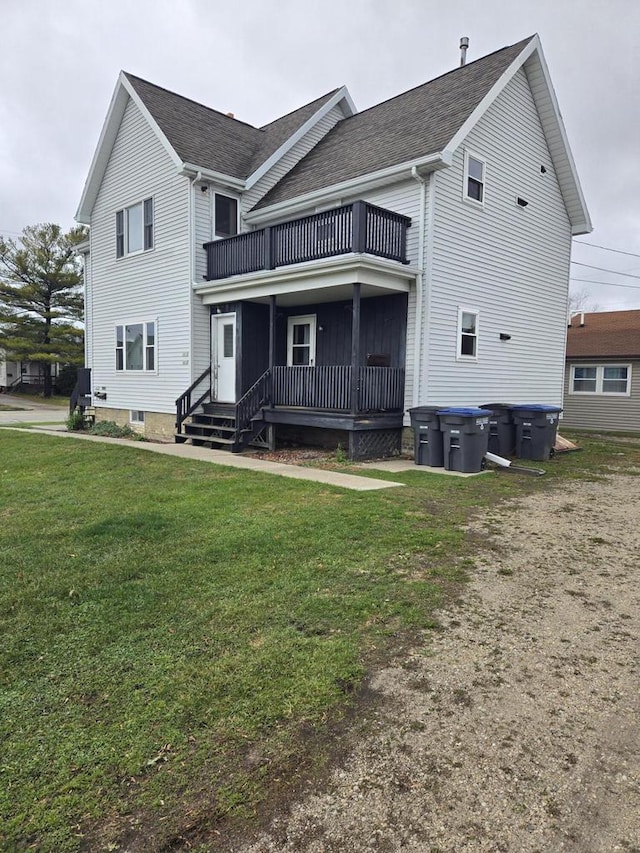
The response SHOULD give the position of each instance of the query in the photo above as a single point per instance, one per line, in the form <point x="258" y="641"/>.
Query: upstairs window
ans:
<point x="226" y="216"/>
<point x="467" y="334"/>
<point x="474" y="178"/>
<point x="601" y="379"/>
<point x="136" y="346"/>
<point x="134" y="228"/>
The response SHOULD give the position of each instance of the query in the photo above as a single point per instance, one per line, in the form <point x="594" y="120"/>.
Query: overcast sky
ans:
<point x="59" y="61"/>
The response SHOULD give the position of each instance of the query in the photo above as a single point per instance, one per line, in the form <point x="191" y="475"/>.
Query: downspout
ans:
<point x="192" y="266"/>
<point x="420" y="285"/>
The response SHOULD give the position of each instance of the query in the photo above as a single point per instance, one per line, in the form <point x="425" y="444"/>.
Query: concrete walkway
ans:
<point x="29" y="412"/>
<point x="231" y="460"/>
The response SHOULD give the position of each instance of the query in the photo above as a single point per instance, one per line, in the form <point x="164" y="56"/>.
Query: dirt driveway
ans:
<point x="515" y="728"/>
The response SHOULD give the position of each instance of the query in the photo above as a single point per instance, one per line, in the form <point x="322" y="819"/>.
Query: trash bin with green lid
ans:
<point x="502" y="430"/>
<point x="536" y="427"/>
<point x="465" y="437"/>
<point x="427" y="437"/>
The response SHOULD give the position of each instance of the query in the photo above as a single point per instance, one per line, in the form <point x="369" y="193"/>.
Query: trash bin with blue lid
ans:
<point x="427" y="437"/>
<point x="536" y="428"/>
<point x="502" y="429"/>
<point x="465" y="438"/>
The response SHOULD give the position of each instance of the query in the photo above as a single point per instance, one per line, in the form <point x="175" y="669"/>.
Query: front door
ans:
<point x="224" y="357"/>
<point x="301" y="340"/>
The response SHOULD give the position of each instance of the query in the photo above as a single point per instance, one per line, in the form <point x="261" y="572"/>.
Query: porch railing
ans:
<point x="356" y="227"/>
<point x="330" y="387"/>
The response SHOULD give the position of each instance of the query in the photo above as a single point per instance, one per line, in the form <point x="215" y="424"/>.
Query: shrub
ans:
<point x="75" y="421"/>
<point x="111" y="429"/>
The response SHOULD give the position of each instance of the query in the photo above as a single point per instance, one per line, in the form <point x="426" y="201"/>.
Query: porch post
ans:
<point x="355" y="349"/>
<point x="272" y="343"/>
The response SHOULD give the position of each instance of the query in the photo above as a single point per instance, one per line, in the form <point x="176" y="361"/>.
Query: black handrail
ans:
<point x="184" y="404"/>
<point x="250" y="403"/>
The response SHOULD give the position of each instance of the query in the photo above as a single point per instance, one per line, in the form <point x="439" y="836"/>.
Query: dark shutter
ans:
<point x="148" y="223"/>
<point x="119" y="233"/>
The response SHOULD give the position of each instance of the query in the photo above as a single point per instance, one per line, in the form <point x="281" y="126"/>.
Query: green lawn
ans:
<point x="170" y="629"/>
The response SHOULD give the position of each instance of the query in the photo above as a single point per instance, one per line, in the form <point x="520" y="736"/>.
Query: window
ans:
<point x="226" y="216"/>
<point x="467" y="334"/>
<point x="474" y="178"/>
<point x="601" y="379"/>
<point x="301" y="341"/>
<point x="136" y="346"/>
<point x="136" y="416"/>
<point x="134" y="228"/>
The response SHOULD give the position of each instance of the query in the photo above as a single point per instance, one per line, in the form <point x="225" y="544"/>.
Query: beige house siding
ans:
<point x="602" y="411"/>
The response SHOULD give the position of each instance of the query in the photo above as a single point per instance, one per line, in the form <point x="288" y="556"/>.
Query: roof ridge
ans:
<point x="301" y="107"/>
<point x="130" y="76"/>
<point x="523" y="42"/>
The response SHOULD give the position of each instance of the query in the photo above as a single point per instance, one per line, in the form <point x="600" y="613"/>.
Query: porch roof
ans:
<point x="325" y="280"/>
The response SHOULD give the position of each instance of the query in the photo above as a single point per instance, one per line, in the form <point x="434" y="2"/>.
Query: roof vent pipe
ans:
<point x="464" y="44"/>
<point x="582" y="319"/>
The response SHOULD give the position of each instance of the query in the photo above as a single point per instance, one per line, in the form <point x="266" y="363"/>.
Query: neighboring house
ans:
<point x="602" y="377"/>
<point x="15" y="375"/>
<point x="318" y="276"/>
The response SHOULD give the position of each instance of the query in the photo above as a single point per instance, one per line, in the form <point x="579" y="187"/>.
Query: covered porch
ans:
<point x="320" y="346"/>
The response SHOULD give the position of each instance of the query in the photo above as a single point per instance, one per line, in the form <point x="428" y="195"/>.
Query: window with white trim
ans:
<point x="226" y="215"/>
<point x="134" y="228"/>
<point x="467" y="334"/>
<point x="607" y="379"/>
<point x="136" y="416"/>
<point x="474" y="170"/>
<point x="136" y="346"/>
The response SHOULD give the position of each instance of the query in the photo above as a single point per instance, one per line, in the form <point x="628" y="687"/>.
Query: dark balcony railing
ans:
<point x="379" y="389"/>
<point x="357" y="227"/>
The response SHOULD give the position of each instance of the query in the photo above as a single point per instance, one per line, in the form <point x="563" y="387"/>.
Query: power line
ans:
<point x="606" y="283"/>
<point x="608" y="249"/>
<point x="603" y="269"/>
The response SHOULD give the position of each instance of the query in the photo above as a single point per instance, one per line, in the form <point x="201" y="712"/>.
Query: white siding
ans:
<point x="510" y="263"/>
<point x="404" y="198"/>
<point x="603" y="411"/>
<point x="291" y="158"/>
<point x="200" y="314"/>
<point x="151" y="285"/>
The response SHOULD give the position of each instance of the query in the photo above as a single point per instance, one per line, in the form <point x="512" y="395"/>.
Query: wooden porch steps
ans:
<point x="216" y="426"/>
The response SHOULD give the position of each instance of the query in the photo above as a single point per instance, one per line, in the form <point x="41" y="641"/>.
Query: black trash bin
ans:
<point x="502" y="430"/>
<point x="465" y="433"/>
<point x="427" y="437"/>
<point x="536" y="427"/>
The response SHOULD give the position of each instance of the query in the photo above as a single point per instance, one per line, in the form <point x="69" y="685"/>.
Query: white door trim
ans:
<point x="223" y="358"/>
<point x="304" y="319"/>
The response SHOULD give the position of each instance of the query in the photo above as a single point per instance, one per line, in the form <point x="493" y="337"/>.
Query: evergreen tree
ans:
<point x="41" y="301"/>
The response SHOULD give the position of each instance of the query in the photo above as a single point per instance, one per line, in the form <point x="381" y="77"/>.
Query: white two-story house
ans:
<point x="316" y="277"/>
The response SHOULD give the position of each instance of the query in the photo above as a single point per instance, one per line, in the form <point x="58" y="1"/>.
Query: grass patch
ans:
<point x="4" y="408"/>
<point x="170" y="628"/>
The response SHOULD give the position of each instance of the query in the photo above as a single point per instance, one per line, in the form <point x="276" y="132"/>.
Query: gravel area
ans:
<point x="516" y="727"/>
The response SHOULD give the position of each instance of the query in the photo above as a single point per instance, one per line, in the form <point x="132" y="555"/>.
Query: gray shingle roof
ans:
<point x="212" y="140"/>
<point x="414" y="124"/>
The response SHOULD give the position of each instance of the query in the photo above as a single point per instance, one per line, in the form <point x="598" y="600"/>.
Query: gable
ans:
<point x="200" y="139"/>
<point x="423" y="129"/>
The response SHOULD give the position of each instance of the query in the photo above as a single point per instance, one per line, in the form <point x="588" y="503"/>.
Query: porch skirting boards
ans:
<point x="362" y="436"/>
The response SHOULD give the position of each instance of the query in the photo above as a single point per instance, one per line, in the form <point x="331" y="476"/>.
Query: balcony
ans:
<point x="358" y="227"/>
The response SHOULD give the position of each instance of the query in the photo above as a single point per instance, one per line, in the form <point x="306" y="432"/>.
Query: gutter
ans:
<point x="192" y="259"/>
<point x="190" y="169"/>
<point x="363" y="183"/>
